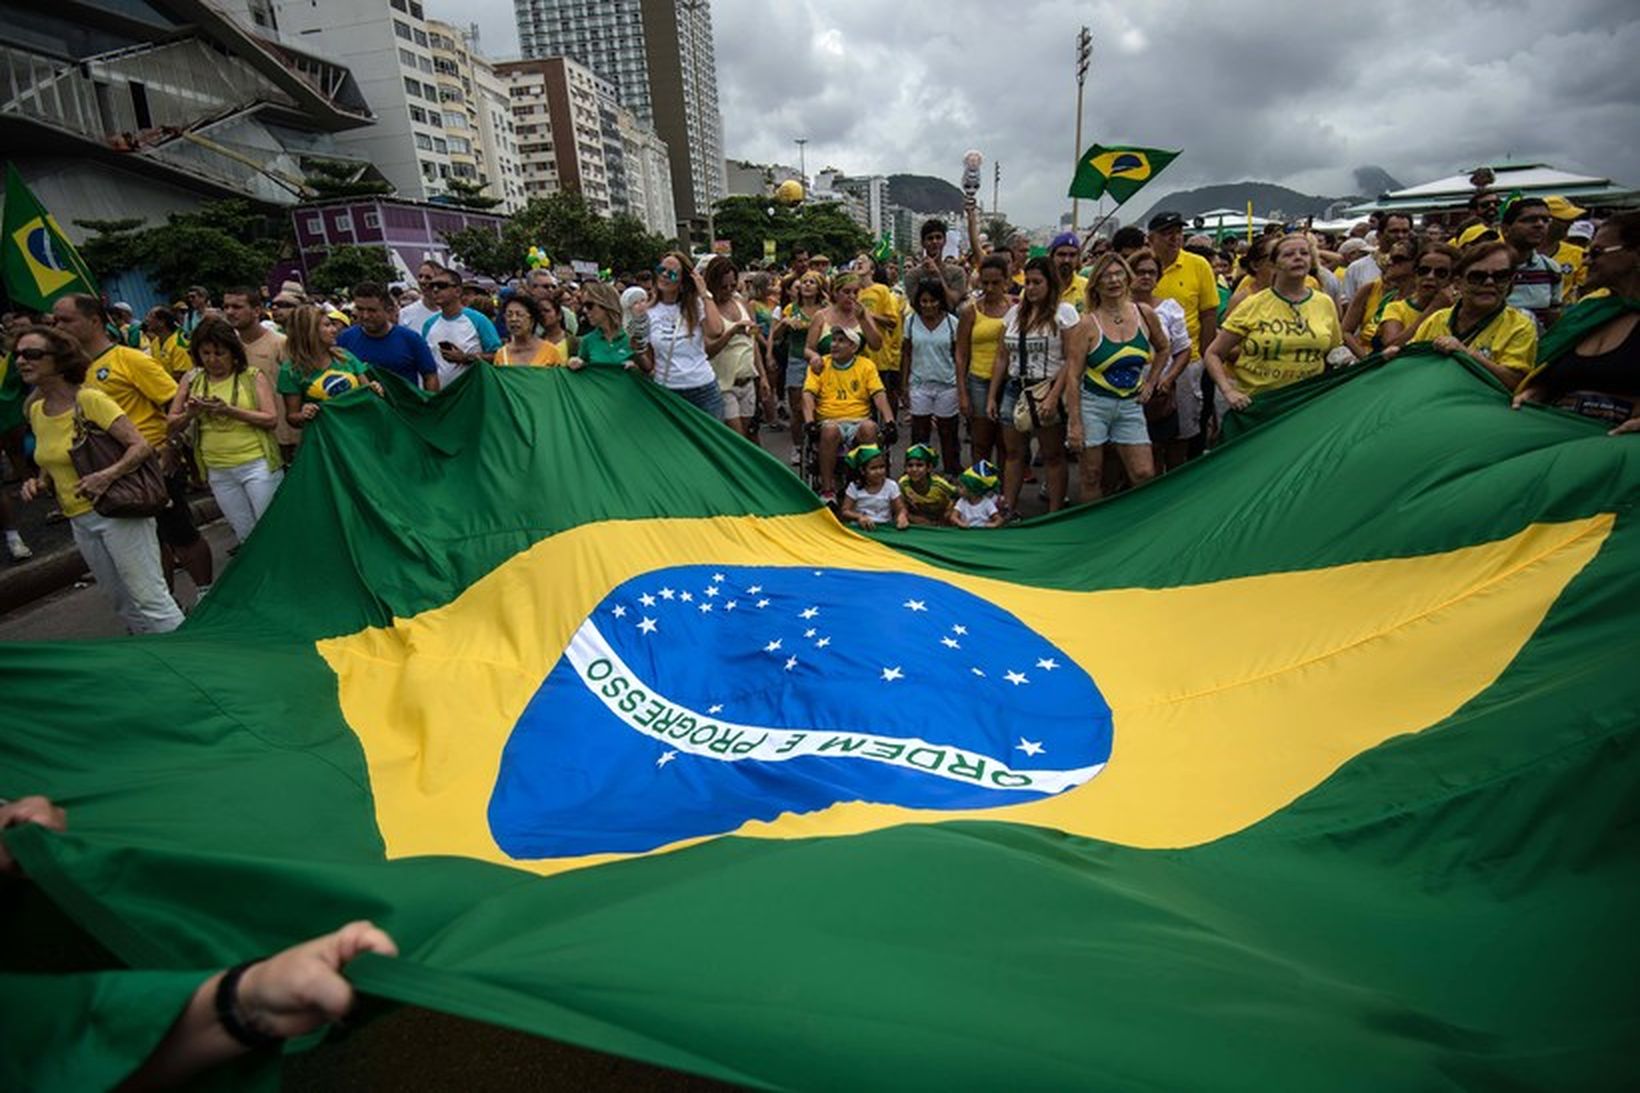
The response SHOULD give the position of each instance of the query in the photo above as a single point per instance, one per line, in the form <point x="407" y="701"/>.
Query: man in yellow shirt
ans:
<point x="879" y="299"/>
<point x="1187" y="279"/>
<point x="143" y="389"/>
<point x="1066" y="252"/>
<point x="838" y="394"/>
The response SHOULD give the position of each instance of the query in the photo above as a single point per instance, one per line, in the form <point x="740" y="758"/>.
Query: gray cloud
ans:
<point x="1286" y="91"/>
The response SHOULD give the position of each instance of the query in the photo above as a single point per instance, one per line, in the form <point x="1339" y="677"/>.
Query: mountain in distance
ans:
<point x="924" y="193"/>
<point x="1267" y="197"/>
<point x="1375" y="181"/>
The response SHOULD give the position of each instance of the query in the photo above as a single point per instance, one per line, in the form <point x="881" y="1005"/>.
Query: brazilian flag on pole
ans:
<point x="38" y="262"/>
<point x="629" y="744"/>
<point x="1120" y="172"/>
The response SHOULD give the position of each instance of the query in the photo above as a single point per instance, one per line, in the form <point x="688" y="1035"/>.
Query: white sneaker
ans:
<point x="18" y="549"/>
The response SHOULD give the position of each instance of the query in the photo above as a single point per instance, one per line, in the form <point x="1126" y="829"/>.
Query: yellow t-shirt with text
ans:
<point x="54" y="434"/>
<point x="1282" y="341"/>
<point x="843" y="394"/>
<point x="1510" y="338"/>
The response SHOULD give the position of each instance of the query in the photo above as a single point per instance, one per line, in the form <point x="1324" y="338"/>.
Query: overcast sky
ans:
<point x="1289" y="91"/>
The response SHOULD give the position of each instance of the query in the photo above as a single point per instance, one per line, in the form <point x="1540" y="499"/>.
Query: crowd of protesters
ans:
<point x="1009" y="363"/>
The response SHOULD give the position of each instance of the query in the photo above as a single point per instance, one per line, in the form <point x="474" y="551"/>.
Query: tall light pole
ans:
<point x="1084" y="52"/>
<point x="802" y="162"/>
<point x="996" y="185"/>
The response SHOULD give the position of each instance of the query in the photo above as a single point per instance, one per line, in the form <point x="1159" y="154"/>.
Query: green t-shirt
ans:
<point x="610" y="353"/>
<point x="343" y="375"/>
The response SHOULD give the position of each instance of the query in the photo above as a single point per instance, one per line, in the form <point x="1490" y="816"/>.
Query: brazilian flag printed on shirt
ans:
<point x="1310" y="766"/>
<point x="37" y="261"/>
<point x="1119" y="171"/>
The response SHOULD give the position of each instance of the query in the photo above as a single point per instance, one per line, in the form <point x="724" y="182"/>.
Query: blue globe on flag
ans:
<point x="694" y="699"/>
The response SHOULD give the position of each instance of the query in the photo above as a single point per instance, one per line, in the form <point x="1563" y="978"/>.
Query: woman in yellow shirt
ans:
<point x="1482" y="325"/>
<point x="1275" y="337"/>
<point x="1431" y="290"/>
<point x="231" y="410"/>
<point x="979" y="332"/>
<point x="1366" y="310"/>
<point x="163" y="340"/>
<point x="122" y="552"/>
<point x="522" y="316"/>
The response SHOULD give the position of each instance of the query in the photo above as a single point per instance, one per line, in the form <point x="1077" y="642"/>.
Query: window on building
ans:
<point x="421" y="37"/>
<point x="412" y="87"/>
<point x="461" y="146"/>
<point x="407" y="58"/>
<point x="344" y="222"/>
<point x="402" y="29"/>
<point x="444" y="170"/>
<point x="415" y="9"/>
<point x="426" y="64"/>
<point x="441" y="145"/>
<point x="373" y="220"/>
<point x="418" y="114"/>
<point x="455" y="121"/>
<point x="424" y="142"/>
<point x="315" y="225"/>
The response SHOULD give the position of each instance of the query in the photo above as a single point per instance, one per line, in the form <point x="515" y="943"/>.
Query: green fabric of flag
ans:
<point x="1452" y="905"/>
<point x="37" y="261"/>
<point x="1119" y="171"/>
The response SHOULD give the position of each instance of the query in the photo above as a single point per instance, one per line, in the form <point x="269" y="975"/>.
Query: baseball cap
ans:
<point x="1561" y="209"/>
<point x="1352" y="245"/>
<point x="1583" y="229"/>
<point x="1165" y="221"/>
<point x="1476" y="233"/>
<point x="1065" y="239"/>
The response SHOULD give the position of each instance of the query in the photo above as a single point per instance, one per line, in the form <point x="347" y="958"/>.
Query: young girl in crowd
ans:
<point x="977" y="507"/>
<point x="928" y="357"/>
<point x="791" y="329"/>
<point x="553" y="331"/>
<point x="928" y="497"/>
<point x="230" y="410"/>
<point x="875" y="499"/>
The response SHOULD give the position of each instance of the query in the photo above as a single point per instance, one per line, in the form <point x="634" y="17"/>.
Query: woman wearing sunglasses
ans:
<point x="1366" y="310"/>
<point x="1482" y="324"/>
<point x="1431" y="291"/>
<point x="681" y="320"/>
<point x="1592" y="355"/>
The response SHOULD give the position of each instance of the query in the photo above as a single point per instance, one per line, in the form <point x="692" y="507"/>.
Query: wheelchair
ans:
<point x="843" y="474"/>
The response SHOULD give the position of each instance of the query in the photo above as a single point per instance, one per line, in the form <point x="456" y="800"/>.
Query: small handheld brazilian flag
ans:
<point x="1120" y="172"/>
<point x="38" y="262"/>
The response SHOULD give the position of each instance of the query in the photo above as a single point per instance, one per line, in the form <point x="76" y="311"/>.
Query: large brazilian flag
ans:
<point x="1310" y="766"/>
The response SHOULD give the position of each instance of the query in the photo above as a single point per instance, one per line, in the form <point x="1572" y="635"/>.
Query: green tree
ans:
<point x="997" y="229"/>
<point x="469" y="194"/>
<point x="822" y="227"/>
<point x="632" y="246"/>
<point x="331" y="178"/>
<point x="494" y="254"/>
<point x="348" y="265"/>
<point x="218" y="245"/>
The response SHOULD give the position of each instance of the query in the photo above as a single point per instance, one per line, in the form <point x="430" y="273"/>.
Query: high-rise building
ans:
<point x="659" y="57"/>
<point x="560" y="128"/>
<point x="472" y="99"/>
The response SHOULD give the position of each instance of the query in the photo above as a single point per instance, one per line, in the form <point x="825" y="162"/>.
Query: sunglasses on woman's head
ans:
<point x="1478" y="277"/>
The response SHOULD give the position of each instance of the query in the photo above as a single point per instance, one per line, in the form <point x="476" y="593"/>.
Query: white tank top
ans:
<point x="680" y="358"/>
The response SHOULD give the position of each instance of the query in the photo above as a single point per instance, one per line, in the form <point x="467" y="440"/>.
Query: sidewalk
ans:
<point x="56" y="563"/>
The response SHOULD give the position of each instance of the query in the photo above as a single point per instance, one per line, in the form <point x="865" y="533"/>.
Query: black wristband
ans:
<point x="227" y="1010"/>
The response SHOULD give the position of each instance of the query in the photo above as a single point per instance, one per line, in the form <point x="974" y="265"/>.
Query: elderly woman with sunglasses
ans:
<point x="1482" y="324"/>
<point x="1366" y="311"/>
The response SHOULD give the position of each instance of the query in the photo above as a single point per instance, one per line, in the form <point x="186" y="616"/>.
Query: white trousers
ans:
<point x="123" y="554"/>
<point x="243" y="493"/>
